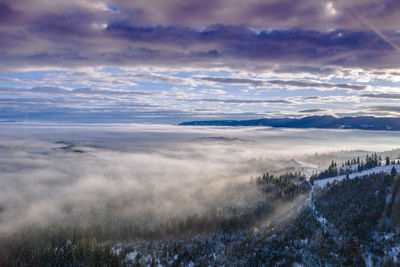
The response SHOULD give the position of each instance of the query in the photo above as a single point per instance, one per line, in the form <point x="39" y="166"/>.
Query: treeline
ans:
<point x="284" y="187"/>
<point x="90" y="244"/>
<point x="363" y="213"/>
<point x="353" y="165"/>
<point x="57" y="247"/>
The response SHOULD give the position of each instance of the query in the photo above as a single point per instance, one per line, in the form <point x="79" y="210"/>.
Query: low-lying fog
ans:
<point x="151" y="172"/>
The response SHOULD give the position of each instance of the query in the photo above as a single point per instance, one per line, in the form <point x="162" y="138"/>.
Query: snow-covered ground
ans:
<point x="393" y="250"/>
<point x="351" y="167"/>
<point x="387" y="168"/>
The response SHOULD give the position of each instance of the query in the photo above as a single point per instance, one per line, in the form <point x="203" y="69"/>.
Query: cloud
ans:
<point x="104" y="106"/>
<point x="311" y="97"/>
<point x="314" y="110"/>
<point x="58" y="37"/>
<point x="90" y="91"/>
<point x="392" y="109"/>
<point x="44" y="182"/>
<point x="96" y="50"/>
<point x="79" y="91"/>
<point x="240" y="101"/>
<point x="286" y="83"/>
<point x="235" y="81"/>
<point x="382" y="96"/>
<point x="155" y="77"/>
<point x="321" y="71"/>
<point x="213" y="91"/>
<point x="145" y="174"/>
<point x="311" y="84"/>
<point x="310" y="14"/>
<point x="84" y="105"/>
<point x="49" y="90"/>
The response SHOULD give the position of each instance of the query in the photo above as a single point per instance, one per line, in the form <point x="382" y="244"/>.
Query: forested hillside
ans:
<point x="350" y="222"/>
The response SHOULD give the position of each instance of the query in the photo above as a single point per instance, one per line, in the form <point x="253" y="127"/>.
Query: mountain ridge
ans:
<point x="322" y="122"/>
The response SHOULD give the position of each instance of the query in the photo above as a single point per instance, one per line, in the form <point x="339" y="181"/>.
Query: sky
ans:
<point x="171" y="61"/>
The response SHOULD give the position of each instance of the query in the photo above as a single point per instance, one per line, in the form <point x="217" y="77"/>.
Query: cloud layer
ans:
<point x="132" y="59"/>
<point x="147" y="173"/>
<point x="198" y="33"/>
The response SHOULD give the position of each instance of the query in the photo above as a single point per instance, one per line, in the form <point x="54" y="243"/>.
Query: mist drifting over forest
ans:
<point x="149" y="173"/>
<point x="109" y="191"/>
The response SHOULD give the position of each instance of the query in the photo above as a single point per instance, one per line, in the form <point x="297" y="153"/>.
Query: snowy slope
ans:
<point x="387" y="168"/>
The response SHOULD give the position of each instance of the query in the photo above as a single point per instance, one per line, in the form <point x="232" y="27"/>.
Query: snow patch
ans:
<point x="387" y="168"/>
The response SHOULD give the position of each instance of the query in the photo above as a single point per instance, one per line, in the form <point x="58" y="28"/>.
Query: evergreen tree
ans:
<point x="393" y="172"/>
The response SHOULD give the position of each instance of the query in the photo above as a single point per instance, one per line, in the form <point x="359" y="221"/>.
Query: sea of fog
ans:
<point x="54" y="172"/>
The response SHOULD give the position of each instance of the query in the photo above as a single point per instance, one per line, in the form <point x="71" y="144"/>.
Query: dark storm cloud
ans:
<point x="308" y="14"/>
<point x="196" y="34"/>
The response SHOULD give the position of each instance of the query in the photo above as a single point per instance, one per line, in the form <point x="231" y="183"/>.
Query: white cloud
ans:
<point x="213" y="91"/>
<point x="330" y="9"/>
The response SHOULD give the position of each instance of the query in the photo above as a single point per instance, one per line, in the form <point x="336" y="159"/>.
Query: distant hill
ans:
<point x="325" y="122"/>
